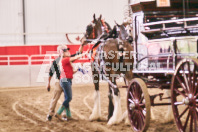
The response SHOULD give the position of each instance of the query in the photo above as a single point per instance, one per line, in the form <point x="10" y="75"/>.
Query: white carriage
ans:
<point x="165" y="34"/>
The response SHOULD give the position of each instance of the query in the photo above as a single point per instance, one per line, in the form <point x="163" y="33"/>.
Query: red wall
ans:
<point x="32" y="50"/>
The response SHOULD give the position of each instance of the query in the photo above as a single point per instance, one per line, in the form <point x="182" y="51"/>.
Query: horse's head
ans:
<point x="123" y="32"/>
<point x="96" y="28"/>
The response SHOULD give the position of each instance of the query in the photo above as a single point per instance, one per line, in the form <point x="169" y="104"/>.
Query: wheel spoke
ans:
<point x="195" y="120"/>
<point x="196" y="114"/>
<point x="139" y="94"/>
<point x="131" y="101"/>
<point x="196" y="88"/>
<point x="135" y="91"/>
<point x="179" y="92"/>
<point x="185" y="125"/>
<point x="178" y="103"/>
<point x="141" y="120"/>
<point x="182" y="84"/>
<point x="131" y="95"/>
<point x="141" y="113"/>
<point x="191" y="122"/>
<point x="144" y="112"/>
<point x="185" y="79"/>
<point x="132" y="115"/>
<point x="189" y="76"/>
<point x="196" y="95"/>
<point x="136" y="120"/>
<point x="194" y="78"/>
<point x="132" y="91"/>
<point x="183" y="113"/>
<point x="142" y="97"/>
<point x="142" y="105"/>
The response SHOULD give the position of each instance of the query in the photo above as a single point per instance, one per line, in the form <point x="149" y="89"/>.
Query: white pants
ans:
<point x="57" y="93"/>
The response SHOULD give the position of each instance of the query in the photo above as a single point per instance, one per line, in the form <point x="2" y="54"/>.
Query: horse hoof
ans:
<point x="168" y="120"/>
<point x="127" y="122"/>
<point x="113" y="121"/>
<point x="109" y="123"/>
<point x="92" y="118"/>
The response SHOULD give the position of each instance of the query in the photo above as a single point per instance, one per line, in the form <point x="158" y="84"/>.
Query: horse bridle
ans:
<point x="104" y="25"/>
<point x="120" y="33"/>
<point x="104" y="28"/>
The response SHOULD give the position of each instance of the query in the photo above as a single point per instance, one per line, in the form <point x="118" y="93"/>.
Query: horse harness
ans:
<point x="101" y="56"/>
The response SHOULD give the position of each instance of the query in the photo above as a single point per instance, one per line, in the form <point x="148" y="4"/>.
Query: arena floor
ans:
<point x="25" y="110"/>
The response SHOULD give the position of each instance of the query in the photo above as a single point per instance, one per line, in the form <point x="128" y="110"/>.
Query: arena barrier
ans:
<point x="18" y="55"/>
<point x="28" y="66"/>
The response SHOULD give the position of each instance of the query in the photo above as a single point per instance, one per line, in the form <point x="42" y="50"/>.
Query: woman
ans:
<point x="56" y="69"/>
<point x="66" y="80"/>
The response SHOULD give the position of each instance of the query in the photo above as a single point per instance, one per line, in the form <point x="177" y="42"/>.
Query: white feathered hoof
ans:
<point x="96" y="112"/>
<point x="127" y="122"/>
<point x="152" y="114"/>
<point x="113" y="121"/>
<point x="126" y="118"/>
<point x="169" y="117"/>
<point x="93" y="117"/>
<point x="96" y="115"/>
<point x="168" y="120"/>
<point x="117" y="113"/>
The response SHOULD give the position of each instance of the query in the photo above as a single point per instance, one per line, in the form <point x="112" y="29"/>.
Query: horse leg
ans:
<point x="125" y="114"/>
<point x="117" y="112"/>
<point x="152" y="114"/>
<point x="169" y="115"/>
<point x="111" y="106"/>
<point x="96" y="111"/>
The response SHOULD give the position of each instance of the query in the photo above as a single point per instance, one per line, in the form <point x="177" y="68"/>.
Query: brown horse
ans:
<point x="109" y="62"/>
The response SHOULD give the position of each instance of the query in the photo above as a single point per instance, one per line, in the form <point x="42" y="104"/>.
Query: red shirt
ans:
<point x="67" y="71"/>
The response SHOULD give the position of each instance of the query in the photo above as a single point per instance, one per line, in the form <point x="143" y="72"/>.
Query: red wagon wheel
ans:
<point x="184" y="95"/>
<point x="138" y="105"/>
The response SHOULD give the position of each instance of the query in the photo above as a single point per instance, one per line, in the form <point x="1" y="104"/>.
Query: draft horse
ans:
<point x="109" y="61"/>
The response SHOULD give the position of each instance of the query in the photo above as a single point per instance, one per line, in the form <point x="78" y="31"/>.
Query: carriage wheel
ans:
<point x="184" y="95"/>
<point x="138" y="105"/>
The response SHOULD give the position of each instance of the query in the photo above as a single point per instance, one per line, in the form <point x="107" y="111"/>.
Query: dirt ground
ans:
<point x="25" y="110"/>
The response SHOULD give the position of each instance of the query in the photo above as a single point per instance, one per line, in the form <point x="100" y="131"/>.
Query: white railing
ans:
<point x="30" y="60"/>
<point x="9" y="59"/>
<point x="48" y="58"/>
<point x="12" y="58"/>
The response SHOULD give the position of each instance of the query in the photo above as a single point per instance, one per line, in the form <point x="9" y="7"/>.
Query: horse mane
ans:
<point x="109" y="27"/>
<point x="89" y="28"/>
<point x="113" y="34"/>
